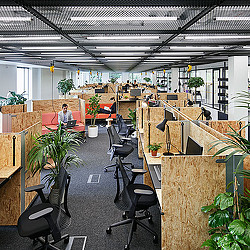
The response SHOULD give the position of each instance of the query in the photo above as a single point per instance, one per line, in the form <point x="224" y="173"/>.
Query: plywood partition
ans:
<point x="30" y="179"/>
<point x="105" y="97"/>
<point x="181" y="96"/>
<point x="192" y="112"/>
<point x="21" y="121"/>
<point x="82" y="109"/>
<point x="46" y="105"/>
<point x="157" y="136"/>
<point x="188" y="183"/>
<point x="11" y="109"/>
<point x="155" y="114"/>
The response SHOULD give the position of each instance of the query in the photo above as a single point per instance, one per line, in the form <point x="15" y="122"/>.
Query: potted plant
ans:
<point x="113" y="79"/>
<point x="146" y="79"/>
<point x="65" y="85"/>
<point x="195" y="82"/>
<point x="93" y="109"/>
<point x="12" y="99"/>
<point x="60" y="146"/>
<point x="154" y="148"/>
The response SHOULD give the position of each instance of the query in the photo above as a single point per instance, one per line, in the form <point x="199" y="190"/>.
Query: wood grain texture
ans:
<point x="192" y="112"/>
<point x="105" y="97"/>
<point x="46" y="105"/>
<point x="6" y="149"/>
<point x="181" y="96"/>
<point x="123" y="107"/>
<point x="146" y="177"/>
<point x="21" y="121"/>
<point x="188" y="183"/>
<point x="11" y="109"/>
<point x="30" y="179"/>
<point x="10" y="201"/>
<point x="155" y="114"/>
<point x="82" y="109"/>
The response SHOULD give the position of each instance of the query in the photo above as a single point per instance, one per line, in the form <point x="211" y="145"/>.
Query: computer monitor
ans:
<point x="172" y="97"/>
<point x="169" y="115"/>
<point x="193" y="148"/>
<point x="135" y="92"/>
<point x="99" y="91"/>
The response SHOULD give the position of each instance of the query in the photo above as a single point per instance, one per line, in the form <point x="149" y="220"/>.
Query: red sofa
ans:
<point x="51" y="120"/>
<point x="99" y="116"/>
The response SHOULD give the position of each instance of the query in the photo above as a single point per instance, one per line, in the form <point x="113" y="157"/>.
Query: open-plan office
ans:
<point x="124" y="124"/>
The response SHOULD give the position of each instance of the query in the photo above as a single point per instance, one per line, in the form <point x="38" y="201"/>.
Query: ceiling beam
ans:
<point x="57" y="29"/>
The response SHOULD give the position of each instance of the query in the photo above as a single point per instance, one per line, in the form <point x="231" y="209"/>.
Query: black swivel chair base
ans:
<point x="134" y="222"/>
<point x="46" y="244"/>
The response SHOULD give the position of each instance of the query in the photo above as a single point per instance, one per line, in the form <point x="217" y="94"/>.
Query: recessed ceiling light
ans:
<point x="30" y="38"/>
<point x="122" y="18"/>
<point x="127" y="57"/>
<point x="215" y="37"/>
<point x="122" y="53"/>
<point x="62" y="54"/>
<point x="232" y="18"/>
<point x="49" y="48"/>
<point x="195" y="48"/>
<point x="14" y="19"/>
<point x="123" y="37"/>
<point x="90" y="60"/>
<point x="122" y="48"/>
<point x="169" y="57"/>
<point x="180" y="53"/>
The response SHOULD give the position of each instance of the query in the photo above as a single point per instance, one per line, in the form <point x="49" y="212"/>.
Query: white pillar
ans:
<point x="105" y="77"/>
<point x="125" y="77"/>
<point x="36" y="84"/>
<point x="174" y="79"/>
<point x="237" y="82"/>
<point x="154" y="78"/>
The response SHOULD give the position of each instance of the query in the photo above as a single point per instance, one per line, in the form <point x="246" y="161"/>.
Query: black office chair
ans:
<point x="123" y="128"/>
<point x="118" y="147"/>
<point x="39" y="221"/>
<point x="133" y="197"/>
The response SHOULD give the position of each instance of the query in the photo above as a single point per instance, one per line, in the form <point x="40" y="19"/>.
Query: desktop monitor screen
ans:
<point x="99" y="91"/>
<point x="193" y="148"/>
<point x="169" y="115"/>
<point x="172" y="97"/>
<point x="135" y="92"/>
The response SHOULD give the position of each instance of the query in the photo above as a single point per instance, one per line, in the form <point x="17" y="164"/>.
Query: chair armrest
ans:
<point x="41" y="213"/>
<point x="117" y="145"/>
<point x="138" y="171"/>
<point x="34" y="188"/>
<point x="38" y="189"/>
<point x="130" y="125"/>
<point x="143" y="192"/>
<point x="125" y="139"/>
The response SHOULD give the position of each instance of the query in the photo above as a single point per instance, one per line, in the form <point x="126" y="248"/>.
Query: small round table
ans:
<point x="109" y="120"/>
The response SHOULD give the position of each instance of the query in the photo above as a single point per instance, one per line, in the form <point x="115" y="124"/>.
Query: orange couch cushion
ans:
<point x="99" y="116"/>
<point x="49" y="119"/>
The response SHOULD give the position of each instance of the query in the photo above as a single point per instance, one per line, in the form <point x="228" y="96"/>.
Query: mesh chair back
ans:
<point x="115" y="136"/>
<point x="122" y="126"/>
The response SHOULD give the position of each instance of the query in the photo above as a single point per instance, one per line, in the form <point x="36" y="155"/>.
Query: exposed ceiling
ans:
<point x="123" y="36"/>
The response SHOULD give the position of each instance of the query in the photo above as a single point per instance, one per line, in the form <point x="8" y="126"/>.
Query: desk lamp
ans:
<point x="206" y="113"/>
<point x="190" y="103"/>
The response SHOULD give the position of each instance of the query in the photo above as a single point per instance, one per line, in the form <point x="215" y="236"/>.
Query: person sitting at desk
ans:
<point x="107" y="110"/>
<point x="65" y="115"/>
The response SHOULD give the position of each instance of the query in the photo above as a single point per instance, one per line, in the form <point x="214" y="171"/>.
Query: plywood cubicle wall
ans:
<point x="105" y="97"/>
<point x="192" y="112"/>
<point x="14" y="150"/>
<point x="49" y="106"/>
<point x="11" y="109"/>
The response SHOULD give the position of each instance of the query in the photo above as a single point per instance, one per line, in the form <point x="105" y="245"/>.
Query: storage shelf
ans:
<point x="223" y="87"/>
<point x="223" y="79"/>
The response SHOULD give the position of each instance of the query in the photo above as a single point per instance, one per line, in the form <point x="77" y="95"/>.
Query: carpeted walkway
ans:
<point x="92" y="207"/>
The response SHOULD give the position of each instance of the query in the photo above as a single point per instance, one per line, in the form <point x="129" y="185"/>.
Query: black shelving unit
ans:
<point x="222" y="92"/>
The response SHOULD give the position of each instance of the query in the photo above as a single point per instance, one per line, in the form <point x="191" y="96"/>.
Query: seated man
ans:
<point x="107" y="110"/>
<point x="65" y="115"/>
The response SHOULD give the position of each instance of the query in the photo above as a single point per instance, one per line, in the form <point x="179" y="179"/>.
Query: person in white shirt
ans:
<point x="65" y="115"/>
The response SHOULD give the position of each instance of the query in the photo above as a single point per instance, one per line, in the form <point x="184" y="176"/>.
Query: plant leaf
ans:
<point x="218" y="218"/>
<point x="226" y="240"/>
<point x="216" y="237"/>
<point x="247" y="213"/>
<point x="226" y="201"/>
<point x="237" y="227"/>
<point x="246" y="236"/>
<point x="235" y="246"/>
<point x="206" y="209"/>
<point x="209" y="243"/>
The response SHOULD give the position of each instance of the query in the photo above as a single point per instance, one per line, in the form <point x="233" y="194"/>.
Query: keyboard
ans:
<point x="157" y="169"/>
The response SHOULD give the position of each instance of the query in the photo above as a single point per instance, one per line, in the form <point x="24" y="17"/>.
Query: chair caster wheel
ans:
<point x="124" y="216"/>
<point x="66" y="240"/>
<point x="155" y="239"/>
<point x="150" y="219"/>
<point x="108" y="230"/>
<point x="126" y="247"/>
<point x="105" y="170"/>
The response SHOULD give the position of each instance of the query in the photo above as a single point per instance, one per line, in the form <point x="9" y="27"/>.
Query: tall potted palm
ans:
<point x="60" y="145"/>
<point x="93" y="109"/>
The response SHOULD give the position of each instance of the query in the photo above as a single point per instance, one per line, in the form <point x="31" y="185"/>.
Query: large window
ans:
<point x="24" y="83"/>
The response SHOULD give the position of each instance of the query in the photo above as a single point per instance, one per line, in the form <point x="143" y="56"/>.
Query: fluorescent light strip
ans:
<point x="123" y="37"/>
<point x="169" y="57"/>
<point x="119" y="18"/>
<point x="88" y="64"/>
<point x="62" y="54"/>
<point x="22" y="57"/>
<point x="180" y="53"/>
<point x="79" y="60"/>
<point x="232" y="18"/>
<point x="128" y="57"/>
<point x="123" y="53"/>
<point x="49" y="48"/>
<point x="14" y="19"/>
<point x="28" y="38"/>
<point x="122" y="48"/>
<point x="159" y="62"/>
<point x="215" y="37"/>
<point x="120" y="60"/>
<point x="192" y="48"/>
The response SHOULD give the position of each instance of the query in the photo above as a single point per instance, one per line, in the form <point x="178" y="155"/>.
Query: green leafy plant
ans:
<point x="154" y="146"/>
<point x="65" y="85"/>
<point x="61" y="146"/>
<point x="229" y="221"/>
<point x="146" y="79"/>
<point x="113" y="79"/>
<point x="132" y="116"/>
<point x="94" y="107"/>
<point x="195" y="82"/>
<point x="12" y="99"/>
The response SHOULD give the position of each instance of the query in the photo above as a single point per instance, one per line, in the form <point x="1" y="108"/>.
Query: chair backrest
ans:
<point x="122" y="126"/>
<point x="115" y="138"/>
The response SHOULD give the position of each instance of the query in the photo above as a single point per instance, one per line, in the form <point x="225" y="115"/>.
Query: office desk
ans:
<point x="7" y="172"/>
<point x="123" y="106"/>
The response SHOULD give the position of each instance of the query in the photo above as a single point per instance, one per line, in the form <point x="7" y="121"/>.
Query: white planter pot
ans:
<point x="93" y="131"/>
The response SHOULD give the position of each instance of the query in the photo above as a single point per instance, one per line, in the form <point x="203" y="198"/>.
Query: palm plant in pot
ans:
<point x="93" y="109"/>
<point x="59" y="145"/>
<point x="154" y="148"/>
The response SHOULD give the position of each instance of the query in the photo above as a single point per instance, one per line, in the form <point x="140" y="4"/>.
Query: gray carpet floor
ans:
<point x="92" y="206"/>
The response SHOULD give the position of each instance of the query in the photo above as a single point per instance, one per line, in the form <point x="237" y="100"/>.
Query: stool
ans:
<point x="109" y="120"/>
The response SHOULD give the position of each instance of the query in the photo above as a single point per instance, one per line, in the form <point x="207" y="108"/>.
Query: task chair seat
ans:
<point x="124" y="151"/>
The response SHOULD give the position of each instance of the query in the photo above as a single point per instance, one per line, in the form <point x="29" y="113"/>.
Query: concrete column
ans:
<point x="154" y="78"/>
<point x="8" y="82"/>
<point x="105" y="77"/>
<point x="125" y="77"/>
<point x="36" y="83"/>
<point x="174" y="79"/>
<point x="237" y="82"/>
